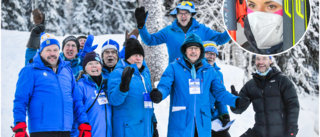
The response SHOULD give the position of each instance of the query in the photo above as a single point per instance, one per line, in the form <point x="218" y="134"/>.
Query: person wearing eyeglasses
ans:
<point x="174" y="34"/>
<point x="189" y="81"/>
<point x="110" y="57"/>
<point x="219" y="110"/>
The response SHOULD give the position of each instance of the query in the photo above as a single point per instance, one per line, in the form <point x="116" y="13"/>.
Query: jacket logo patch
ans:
<point x="45" y="74"/>
<point x="272" y="81"/>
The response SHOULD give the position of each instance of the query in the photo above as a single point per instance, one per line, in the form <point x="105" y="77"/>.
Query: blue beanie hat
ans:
<point x="47" y="40"/>
<point x="184" y="5"/>
<point x="192" y="39"/>
<point x="110" y="44"/>
<point x="210" y="46"/>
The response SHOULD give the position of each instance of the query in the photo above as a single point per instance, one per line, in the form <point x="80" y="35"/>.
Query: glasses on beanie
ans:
<point x="184" y="3"/>
<point x="110" y="52"/>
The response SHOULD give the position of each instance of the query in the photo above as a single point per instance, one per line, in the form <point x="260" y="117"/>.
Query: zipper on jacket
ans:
<point x="265" y="113"/>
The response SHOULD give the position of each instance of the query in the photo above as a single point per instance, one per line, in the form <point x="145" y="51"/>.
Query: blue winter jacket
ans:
<point x="105" y="73"/>
<point x="219" y="109"/>
<point x="130" y="118"/>
<point x="99" y="116"/>
<point x="46" y="96"/>
<point x="190" y="110"/>
<point x="76" y="64"/>
<point x="173" y="36"/>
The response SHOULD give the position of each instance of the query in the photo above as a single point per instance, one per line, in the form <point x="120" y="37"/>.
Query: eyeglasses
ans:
<point x="193" y="48"/>
<point x="210" y="54"/>
<point x="184" y="14"/>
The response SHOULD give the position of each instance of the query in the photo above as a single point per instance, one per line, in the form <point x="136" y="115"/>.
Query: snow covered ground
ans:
<point x="13" y="46"/>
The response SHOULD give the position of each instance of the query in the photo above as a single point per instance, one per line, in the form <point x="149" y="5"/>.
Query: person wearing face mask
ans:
<point x="274" y="99"/>
<point x="129" y="86"/>
<point x="263" y="26"/>
<point x="174" y="34"/>
<point x="109" y="54"/>
<point x="94" y="103"/>
<point x="189" y="81"/>
<point x="219" y="110"/>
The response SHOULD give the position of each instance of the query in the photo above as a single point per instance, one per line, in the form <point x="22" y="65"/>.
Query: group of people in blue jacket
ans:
<point x="77" y="93"/>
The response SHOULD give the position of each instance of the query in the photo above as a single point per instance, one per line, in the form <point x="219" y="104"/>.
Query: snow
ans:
<point x="13" y="52"/>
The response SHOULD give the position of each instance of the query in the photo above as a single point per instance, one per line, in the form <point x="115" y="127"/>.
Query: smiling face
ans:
<point x="193" y="53"/>
<point x="183" y="17"/>
<point x="211" y="57"/>
<point x="51" y="54"/>
<point x="110" y="57"/>
<point x="137" y="59"/>
<point x="264" y="5"/>
<point x="263" y="63"/>
<point x="93" y="68"/>
<point x="70" y="50"/>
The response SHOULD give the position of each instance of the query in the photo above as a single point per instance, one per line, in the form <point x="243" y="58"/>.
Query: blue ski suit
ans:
<point x="76" y="64"/>
<point x="130" y="118"/>
<point x="46" y="96"/>
<point x="99" y="116"/>
<point x="173" y="36"/>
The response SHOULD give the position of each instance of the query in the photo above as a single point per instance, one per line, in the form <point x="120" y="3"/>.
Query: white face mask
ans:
<point x="267" y="28"/>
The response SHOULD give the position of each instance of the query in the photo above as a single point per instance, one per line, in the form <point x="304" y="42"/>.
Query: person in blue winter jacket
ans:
<point x="93" y="94"/>
<point x="128" y="92"/>
<point x="70" y="50"/>
<point x="110" y="57"/>
<point x="190" y="80"/>
<point x="219" y="111"/>
<point x="45" y="90"/>
<point x="174" y="34"/>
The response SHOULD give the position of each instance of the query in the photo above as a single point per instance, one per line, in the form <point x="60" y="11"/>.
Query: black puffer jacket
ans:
<point x="275" y="102"/>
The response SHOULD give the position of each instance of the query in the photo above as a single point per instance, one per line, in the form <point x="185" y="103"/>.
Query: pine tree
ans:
<point x="80" y="22"/>
<point x="13" y="15"/>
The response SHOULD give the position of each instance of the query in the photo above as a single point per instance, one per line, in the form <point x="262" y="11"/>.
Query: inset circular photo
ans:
<point x="266" y="27"/>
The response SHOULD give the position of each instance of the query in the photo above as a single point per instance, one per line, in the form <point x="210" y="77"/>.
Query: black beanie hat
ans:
<point x="80" y="37"/>
<point x="133" y="46"/>
<point x="71" y="38"/>
<point x="91" y="56"/>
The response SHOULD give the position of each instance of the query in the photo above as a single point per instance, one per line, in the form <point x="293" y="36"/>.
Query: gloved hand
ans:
<point x="292" y="130"/>
<point x="141" y="16"/>
<point x="156" y="95"/>
<point x="20" y="130"/>
<point x="85" y="130"/>
<point x="155" y="130"/>
<point x="242" y="102"/>
<point x="233" y="91"/>
<point x="126" y="78"/>
<point x="225" y="118"/>
<point x="37" y="30"/>
<point x="88" y="46"/>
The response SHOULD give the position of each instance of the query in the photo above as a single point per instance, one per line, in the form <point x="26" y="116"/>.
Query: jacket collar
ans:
<point x="203" y="64"/>
<point x="174" y="25"/>
<point x="74" y="62"/>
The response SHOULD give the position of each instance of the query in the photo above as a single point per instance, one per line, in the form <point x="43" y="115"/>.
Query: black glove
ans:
<point x="156" y="95"/>
<point x="233" y="91"/>
<point x="126" y="78"/>
<point x="38" y="29"/>
<point x="155" y="130"/>
<point x="242" y="102"/>
<point x="292" y="130"/>
<point x="225" y="118"/>
<point x="141" y="16"/>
